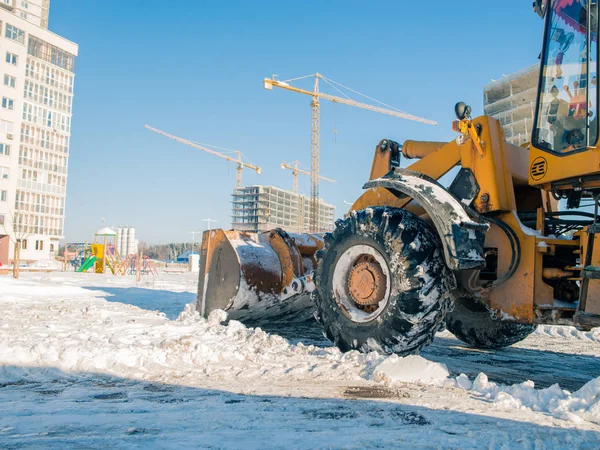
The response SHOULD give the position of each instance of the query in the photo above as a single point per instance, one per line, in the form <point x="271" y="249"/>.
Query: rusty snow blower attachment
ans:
<point x="256" y="276"/>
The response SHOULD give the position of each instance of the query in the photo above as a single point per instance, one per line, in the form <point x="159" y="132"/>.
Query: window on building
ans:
<point x="4" y="172"/>
<point x="3" y="195"/>
<point x="1" y="219"/>
<point x="5" y="149"/>
<point x="48" y="52"/>
<point x="6" y="126"/>
<point x="24" y="244"/>
<point x="14" y="33"/>
<point x="10" y="81"/>
<point x="11" y="58"/>
<point x="8" y="103"/>
<point x="24" y="4"/>
<point x="39" y="245"/>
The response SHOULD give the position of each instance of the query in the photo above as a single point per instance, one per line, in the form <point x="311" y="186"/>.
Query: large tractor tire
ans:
<point x="382" y="283"/>
<point x="475" y="324"/>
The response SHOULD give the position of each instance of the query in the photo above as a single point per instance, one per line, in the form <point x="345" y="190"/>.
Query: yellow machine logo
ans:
<point x="538" y="169"/>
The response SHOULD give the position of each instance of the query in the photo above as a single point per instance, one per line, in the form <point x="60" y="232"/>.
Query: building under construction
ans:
<point x="511" y="100"/>
<point x="261" y="208"/>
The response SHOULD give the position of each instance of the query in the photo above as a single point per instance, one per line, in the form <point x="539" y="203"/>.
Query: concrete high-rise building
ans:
<point x="261" y="208"/>
<point x="34" y="11"/>
<point x="37" y="72"/>
<point x="511" y="100"/>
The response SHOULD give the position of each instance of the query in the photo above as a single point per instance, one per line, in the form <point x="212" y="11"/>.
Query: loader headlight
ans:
<point x="462" y="111"/>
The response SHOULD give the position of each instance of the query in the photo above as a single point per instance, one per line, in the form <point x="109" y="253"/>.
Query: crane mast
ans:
<point x="240" y="163"/>
<point x="315" y="105"/>
<point x="314" y="162"/>
<point x="296" y="170"/>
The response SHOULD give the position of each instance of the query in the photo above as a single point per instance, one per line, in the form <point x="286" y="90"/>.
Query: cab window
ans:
<point x="566" y="119"/>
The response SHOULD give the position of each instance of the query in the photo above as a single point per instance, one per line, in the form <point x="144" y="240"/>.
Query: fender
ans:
<point x="461" y="231"/>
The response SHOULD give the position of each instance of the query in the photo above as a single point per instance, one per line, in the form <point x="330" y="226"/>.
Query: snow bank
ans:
<point x="583" y="404"/>
<point x="568" y="332"/>
<point x="70" y="328"/>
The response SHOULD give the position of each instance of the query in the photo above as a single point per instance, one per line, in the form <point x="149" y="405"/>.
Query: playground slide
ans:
<point x="89" y="262"/>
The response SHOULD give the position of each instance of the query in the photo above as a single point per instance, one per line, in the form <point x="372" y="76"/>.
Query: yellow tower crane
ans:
<point x="240" y="164"/>
<point x="296" y="170"/>
<point x="316" y="96"/>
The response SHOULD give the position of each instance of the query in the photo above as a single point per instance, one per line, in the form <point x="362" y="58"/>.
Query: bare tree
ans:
<point x="18" y="230"/>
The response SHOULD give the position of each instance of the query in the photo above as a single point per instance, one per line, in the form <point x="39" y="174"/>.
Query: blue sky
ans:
<point x="195" y="69"/>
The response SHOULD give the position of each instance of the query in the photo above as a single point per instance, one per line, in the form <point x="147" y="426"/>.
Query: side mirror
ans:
<point x="539" y="7"/>
<point x="462" y="111"/>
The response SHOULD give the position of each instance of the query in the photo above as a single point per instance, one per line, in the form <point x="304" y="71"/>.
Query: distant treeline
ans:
<point x="166" y="252"/>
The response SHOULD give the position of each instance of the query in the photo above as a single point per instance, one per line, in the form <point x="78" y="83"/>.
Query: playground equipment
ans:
<point x="87" y="264"/>
<point x="75" y="254"/>
<point x="135" y="264"/>
<point x="105" y="254"/>
<point x="100" y="251"/>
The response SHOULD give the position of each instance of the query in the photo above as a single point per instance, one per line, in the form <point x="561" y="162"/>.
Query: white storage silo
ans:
<point x="131" y="250"/>
<point x="119" y="243"/>
<point x="125" y="237"/>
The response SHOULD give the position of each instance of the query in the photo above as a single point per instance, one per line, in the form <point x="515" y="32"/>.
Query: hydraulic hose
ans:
<point x="515" y="259"/>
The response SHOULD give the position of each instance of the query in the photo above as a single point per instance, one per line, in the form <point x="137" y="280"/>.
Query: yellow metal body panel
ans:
<point x="546" y="167"/>
<point x="515" y="298"/>
<point x="490" y="167"/>
<point x="593" y="299"/>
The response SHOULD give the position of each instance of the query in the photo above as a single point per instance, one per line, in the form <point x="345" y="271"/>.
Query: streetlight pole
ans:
<point x="208" y="221"/>
<point x="194" y="233"/>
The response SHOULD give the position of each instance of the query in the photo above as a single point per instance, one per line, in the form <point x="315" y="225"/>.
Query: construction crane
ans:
<point x="316" y="96"/>
<point x="240" y="164"/>
<point x="295" y="171"/>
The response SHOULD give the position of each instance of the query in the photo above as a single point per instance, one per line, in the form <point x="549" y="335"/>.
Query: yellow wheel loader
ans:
<point x="489" y="256"/>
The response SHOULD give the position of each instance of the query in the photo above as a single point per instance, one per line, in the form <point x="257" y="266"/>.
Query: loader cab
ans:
<point x="565" y="134"/>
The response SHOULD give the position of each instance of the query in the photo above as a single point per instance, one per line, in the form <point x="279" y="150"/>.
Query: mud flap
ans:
<point x="462" y="233"/>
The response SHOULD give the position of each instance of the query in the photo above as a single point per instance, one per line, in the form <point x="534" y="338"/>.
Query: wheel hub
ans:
<point x="366" y="282"/>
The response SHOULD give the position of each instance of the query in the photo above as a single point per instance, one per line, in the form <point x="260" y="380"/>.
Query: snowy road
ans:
<point x="79" y="368"/>
<point x="100" y="412"/>
<point x="542" y="358"/>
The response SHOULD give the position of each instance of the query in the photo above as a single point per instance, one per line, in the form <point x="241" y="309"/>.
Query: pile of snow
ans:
<point x="568" y="332"/>
<point x="411" y="369"/>
<point x="583" y="404"/>
<point x="70" y="328"/>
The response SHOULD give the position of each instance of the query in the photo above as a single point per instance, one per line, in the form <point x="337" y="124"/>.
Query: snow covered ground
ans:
<point x="90" y="361"/>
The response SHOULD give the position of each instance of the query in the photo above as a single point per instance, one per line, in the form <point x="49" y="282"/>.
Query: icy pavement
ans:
<point x="79" y="368"/>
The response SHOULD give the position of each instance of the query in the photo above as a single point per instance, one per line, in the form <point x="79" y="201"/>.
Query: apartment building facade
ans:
<point x="261" y="208"/>
<point x="37" y="72"/>
<point x="34" y="11"/>
<point x="511" y="100"/>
